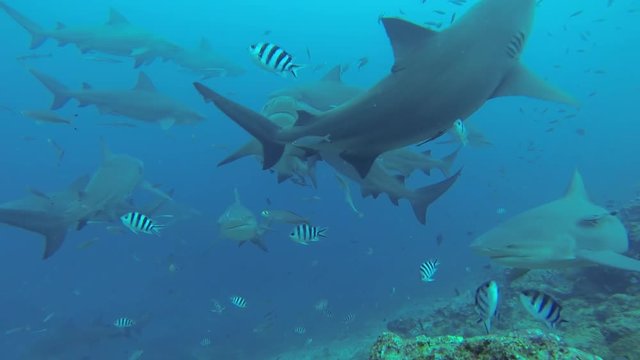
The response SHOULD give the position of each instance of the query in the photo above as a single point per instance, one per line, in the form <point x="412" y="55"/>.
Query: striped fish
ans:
<point x="273" y="58"/>
<point x="304" y="233"/>
<point x="349" y="318"/>
<point x="238" y="301"/>
<point x="428" y="269"/>
<point x="140" y="223"/>
<point x="124" y="323"/>
<point x="542" y="307"/>
<point x="487" y="303"/>
<point x="300" y="330"/>
<point x="205" y="342"/>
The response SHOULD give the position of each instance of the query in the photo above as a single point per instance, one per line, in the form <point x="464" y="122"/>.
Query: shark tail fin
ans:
<point x="38" y="35"/>
<point x="60" y="92"/>
<point x="250" y="148"/>
<point x="447" y="162"/>
<point x="255" y="124"/>
<point x="52" y="227"/>
<point x="425" y="196"/>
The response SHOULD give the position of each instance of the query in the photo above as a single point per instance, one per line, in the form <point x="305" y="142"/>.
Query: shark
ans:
<point x="103" y="196"/>
<point x="324" y="94"/>
<point x="115" y="37"/>
<point x="568" y="232"/>
<point x="239" y="224"/>
<point x="206" y="61"/>
<point x="379" y="181"/>
<point x="143" y="102"/>
<point x="436" y="79"/>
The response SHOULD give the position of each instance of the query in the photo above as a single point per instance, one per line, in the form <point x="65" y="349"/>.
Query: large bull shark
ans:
<point x="567" y="232"/>
<point x="143" y="102"/>
<point x="437" y="78"/>
<point x="238" y="223"/>
<point x="103" y="196"/>
<point x="206" y="61"/>
<point x="116" y="37"/>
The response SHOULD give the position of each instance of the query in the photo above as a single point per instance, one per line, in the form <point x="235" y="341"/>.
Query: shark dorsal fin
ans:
<point x="115" y="18"/>
<point x="405" y="37"/>
<point x="144" y="83"/>
<point x="204" y="44"/>
<point x="333" y="74"/>
<point x="576" y="188"/>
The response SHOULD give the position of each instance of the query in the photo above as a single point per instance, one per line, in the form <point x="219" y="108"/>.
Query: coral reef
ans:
<point x="529" y="345"/>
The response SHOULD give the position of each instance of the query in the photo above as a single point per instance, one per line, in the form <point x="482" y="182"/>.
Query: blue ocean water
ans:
<point x="367" y="267"/>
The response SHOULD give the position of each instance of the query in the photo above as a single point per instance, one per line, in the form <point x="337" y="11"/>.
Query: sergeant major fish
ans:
<point x="304" y="233"/>
<point x="542" y="307"/>
<point x="486" y="302"/>
<point x="140" y="223"/>
<point x="274" y="58"/>
<point x="238" y="301"/>
<point x="428" y="269"/>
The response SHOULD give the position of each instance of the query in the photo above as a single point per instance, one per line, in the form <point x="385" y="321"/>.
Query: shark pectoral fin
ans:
<point x="167" y="123"/>
<point x="361" y="162"/>
<point x="405" y="38"/>
<point x="610" y="258"/>
<point x="53" y="240"/>
<point x="283" y="177"/>
<point x="522" y="82"/>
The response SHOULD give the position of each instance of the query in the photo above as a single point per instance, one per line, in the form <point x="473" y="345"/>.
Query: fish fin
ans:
<point x="52" y="227"/>
<point x="322" y="232"/>
<point x="522" y="82"/>
<point x="81" y="224"/>
<point x="251" y="148"/>
<point x="361" y="162"/>
<point x="294" y="70"/>
<point x="144" y="83"/>
<point x="405" y="38"/>
<point x="333" y="74"/>
<point x="255" y="124"/>
<point x="394" y="200"/>
<point x="609" y="258"/>
<point x="116" y="18"/>
<point x="60" y="92"/>
<point x="259" y="243"/>
<point x="516" y="273"/>
<point x="305" y="118"/>
<point x="37" y="33"/>
<point x="424" y="196"/>
<point x="576" y="188"/>
<point x="448" y="161"/>
<point x="283" y="177"/>
<point x="167" y="123"/>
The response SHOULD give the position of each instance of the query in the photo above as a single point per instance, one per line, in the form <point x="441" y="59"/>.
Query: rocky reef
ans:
<point x="525" y="345"/>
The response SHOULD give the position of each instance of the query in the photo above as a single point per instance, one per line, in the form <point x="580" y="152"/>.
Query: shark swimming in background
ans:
<point x="437" y="78"/>
<point x="205" y="61"/>
<point x="238" y="223"/>
<point x="143" y="102"/>
<point x="567" y="232"/>
<point x="116" y="37"/>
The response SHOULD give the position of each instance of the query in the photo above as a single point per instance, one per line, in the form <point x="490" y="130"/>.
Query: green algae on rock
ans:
<point x="527" y="345"/>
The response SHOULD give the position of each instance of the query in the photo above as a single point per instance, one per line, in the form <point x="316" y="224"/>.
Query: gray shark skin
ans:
<point x="325" y="94"/>
<point x="116" y="37"/>
<point x="405" y="162"/>
<point x="437" y="78"/>
<point x="379" y="181"/>
<point x="567" y="232"/>
<point x="143" y="102"/>
<point x="238" y="223"/>
<point x="206" y="61"/>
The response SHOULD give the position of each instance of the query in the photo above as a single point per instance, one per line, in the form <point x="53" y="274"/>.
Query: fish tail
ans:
<point x="322" y="232"/>
<point x="447" y="161"/>
<point x="52" y="227"/>
<point x="255" y="124"/>
<point x="60" y="92"/>
<point x="294" y="70"/>
<point x="38" y="35"/>
<point x="424" y="196"/>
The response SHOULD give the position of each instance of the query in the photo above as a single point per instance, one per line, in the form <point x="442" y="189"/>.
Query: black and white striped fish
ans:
<point x="124" y="323"/>
<point x="205" y="342"/>
<point x="542" y="307"/>
<point x="273" y="58"/>
<point x="428" y="269"/>
<point x="300" y="330"/>
<point x="238" y="301"/>
<point x="140" y="223"/>
<point x="349" y="318"/>
<point x="304" y="233"/>
<point x="487" y="303"/>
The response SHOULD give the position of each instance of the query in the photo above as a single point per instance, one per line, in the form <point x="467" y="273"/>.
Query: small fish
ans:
<point x="486" y="302"/>
<point x="205" y="342"/>
<point x="349" y="318"/>
<point x="124" y="323"/>
<point x="59" y="150"/>
<point x="439" y="239"/>
<point x="86" y="244"/>
<point x="118" y="124"/>
<point x="274" y="58"/>
<point x="453" y="18"/>
<point x="308" y="54"/>
<point x="428" y="269"/>
<point x="140" y="223"/>
<point x="576" y="13"/>
<point x="300" y="330"/>
<point x="460" y="132"/>
<point x="48" y="317"/>
<point x="33" y="56"/>
<point x="42" y="116"/>
<point x="542" y="307"/>
<point x="501" y="211"/>
<point x="102" y="59"/>
<point x="285" y="216"/>
<point x="439" y="12"/>
<point x="238" y="301"/>
<point x="311" y="141"/>
<point x="304" y="233"/>
<point x="362" y="62"/>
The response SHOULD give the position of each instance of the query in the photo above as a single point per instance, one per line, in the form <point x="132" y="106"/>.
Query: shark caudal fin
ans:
<point x="425" y="196"/>
<point x="60" y="92"/>
<point x="447" y="162"/>
<point x="38" y="35"/>
<point x="52" y="227"/>
<point x="255" y="124"/>
<point x="251" y="148"/>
